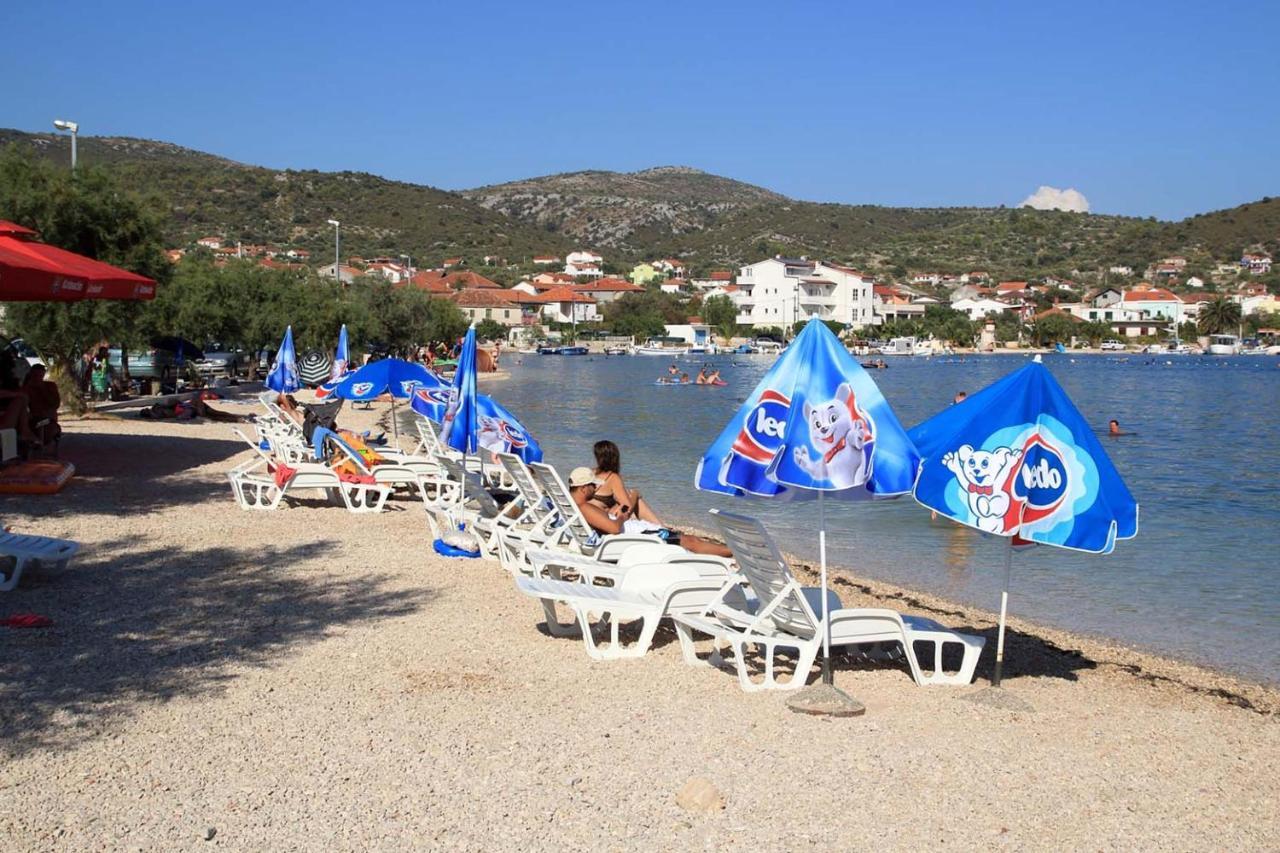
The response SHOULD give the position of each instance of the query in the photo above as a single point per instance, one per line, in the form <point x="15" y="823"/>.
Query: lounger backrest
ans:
<point x="553" y="487"/>
<point x="472" y="486"/>
<point x="321" y="435"/>
<point x="760" y="561"/>
<point x="430" y="439"/>
<point x="519" y="474"/>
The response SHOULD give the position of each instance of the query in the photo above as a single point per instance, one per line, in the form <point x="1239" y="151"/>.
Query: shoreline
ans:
<point x="1031" y="647"/>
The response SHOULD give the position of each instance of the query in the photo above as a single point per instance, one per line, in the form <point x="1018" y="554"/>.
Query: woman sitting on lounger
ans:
<point x="613" y="494"/>
<point x="582" y="486"/>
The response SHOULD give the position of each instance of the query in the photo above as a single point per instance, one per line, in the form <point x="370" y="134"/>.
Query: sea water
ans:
<point x="1199" y="582"/>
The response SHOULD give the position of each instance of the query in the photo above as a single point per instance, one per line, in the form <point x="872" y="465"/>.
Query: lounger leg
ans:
<point x="555" y="627"/>
<point x="19" y="563"/>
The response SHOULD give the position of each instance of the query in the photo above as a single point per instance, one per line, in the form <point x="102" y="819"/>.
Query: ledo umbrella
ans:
<point x="497" y="430"/>
<point x="341" y="356"/>
<point x="284" y="374"/>
<point x="459" y="423"/>
<point x="37" y="272"/>
<point x="1018" y="460"/>
<point x="392" y="376"/>
<point x="815" y="425"/>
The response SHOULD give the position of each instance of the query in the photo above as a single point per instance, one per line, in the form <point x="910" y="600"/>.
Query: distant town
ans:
<point x="777" y="292"/>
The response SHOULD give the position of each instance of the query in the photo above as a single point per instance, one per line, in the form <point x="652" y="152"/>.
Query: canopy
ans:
<point x="392" y="376"/>
<point x="497" y="430"/>
<point x="38" y="272"/>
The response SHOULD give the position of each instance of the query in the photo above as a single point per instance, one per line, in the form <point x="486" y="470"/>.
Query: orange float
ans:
<point x="35" y="477"/>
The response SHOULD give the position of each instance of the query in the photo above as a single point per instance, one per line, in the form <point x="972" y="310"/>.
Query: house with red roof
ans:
<point x="1153" y="303"/>
<point x="468" y="280"/>
<point x="210" y="242"/>
<point x="487" y="304"/>
<point x="606" y="290"/>
<point x="447" y="263"/>
<point x="345" y="274"/>
<point x="1257" y="263"/>
<point x="566" y="305"/>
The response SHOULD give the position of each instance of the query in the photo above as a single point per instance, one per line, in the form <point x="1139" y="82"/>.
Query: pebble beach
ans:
<point x="311" y="679"/>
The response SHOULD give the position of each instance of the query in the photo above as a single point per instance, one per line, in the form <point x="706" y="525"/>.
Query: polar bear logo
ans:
<point x="839" y="431"/>
<point x="982" y="475"/>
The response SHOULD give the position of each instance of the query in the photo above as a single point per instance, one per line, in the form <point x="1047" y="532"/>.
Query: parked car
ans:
<point x="23" y="358"/>
<point x="147" y="363"/>
<point x="221" y="360"/>
<point x="1112" y="345"/>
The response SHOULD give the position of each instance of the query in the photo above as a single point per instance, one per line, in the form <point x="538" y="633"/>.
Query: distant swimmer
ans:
<point x="673" y="369"/>
<point x="1113" y="429"/>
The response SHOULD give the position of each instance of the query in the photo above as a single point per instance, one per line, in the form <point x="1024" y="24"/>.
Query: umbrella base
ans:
<point x="825" y="700"/>
<point x="999" y="697"/>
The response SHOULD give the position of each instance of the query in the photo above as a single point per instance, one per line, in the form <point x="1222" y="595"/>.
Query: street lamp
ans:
<point x="73" y="128"/>
<point x="337" y="269"/>
<point x="408" y="264"/>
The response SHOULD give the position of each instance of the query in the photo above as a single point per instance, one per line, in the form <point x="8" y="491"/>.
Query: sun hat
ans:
<point x="582" y="476"/>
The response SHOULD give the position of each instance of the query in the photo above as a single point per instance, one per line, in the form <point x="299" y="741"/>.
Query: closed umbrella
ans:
<point x="1017" y="459"/>
<point x="283" y="377"/>
<point x="341" y="356"/>
<point x="815" y="426"/>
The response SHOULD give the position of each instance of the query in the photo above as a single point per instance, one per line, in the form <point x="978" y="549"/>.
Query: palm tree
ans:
<point x="1220" y="315"/>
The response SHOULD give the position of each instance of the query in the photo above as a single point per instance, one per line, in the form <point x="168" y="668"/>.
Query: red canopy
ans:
<point x="37" y="272"/>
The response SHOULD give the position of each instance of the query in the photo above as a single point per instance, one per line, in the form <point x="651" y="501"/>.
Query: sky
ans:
<point x="1143" y="109"/>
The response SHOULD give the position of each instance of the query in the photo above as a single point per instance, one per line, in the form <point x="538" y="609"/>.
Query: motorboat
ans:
<point x="922" y="348"/>
<point x="573" y="350"/>
<point x="899" y="346"/>
<point x="1223" y="345"/>
<point x="746" y="349"/>
<point x="617" y="351"/>
<point x="663" y="346"/>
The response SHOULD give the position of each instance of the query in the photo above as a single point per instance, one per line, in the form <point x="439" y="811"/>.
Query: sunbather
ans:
<point x="43" y="401"/>
<point x="613" y="494"/>
<point x="15" y="415"/>
<point x="582" y="486"/>
<point x="188" y="409"/>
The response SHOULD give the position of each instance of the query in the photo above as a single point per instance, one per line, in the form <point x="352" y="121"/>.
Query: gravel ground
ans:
<point x="310" y="679"/>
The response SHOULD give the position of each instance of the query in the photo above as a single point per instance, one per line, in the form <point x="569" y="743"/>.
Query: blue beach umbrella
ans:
<point x="1018" y="460"/>
<point x="283" y="377"/>
<point x="459" y="423"/>
<point x="341" y="356"/>
<point x="391" y="376"/>
<point x="815" y="425"/>
<point x="497" y="430"/>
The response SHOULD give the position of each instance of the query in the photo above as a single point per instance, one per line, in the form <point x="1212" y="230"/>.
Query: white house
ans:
<point x="695" y="334"/>
<point x="780" y="291"/>
<point x="1154" y="303"/>
<point x="1256" y="263"/>
<point x="544" y="260"/>
<point x="564" y="305"/>
<point x="979" y="307"/>
<point x="1121" y="271"/>
<point x="346" y="274"/>
<point x="210" y="242"/>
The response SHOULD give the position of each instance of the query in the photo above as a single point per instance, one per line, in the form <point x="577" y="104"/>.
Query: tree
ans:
<point x="88" y="213"/>
<point x="644" y="314"/>
<point x="490" y="330"/>
<point x="1220" y="315"/>
<point x="1053" y="328"/>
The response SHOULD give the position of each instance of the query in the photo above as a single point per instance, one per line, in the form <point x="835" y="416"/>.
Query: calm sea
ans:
<point x="1199" y="582"/>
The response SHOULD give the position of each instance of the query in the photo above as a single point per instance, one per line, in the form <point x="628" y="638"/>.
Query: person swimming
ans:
<point x="702" y="376"/>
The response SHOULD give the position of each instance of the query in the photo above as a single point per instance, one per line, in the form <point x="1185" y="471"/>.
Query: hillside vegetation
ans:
<point x="708" y="220"/>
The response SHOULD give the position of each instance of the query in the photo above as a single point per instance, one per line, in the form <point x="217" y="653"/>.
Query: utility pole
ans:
<point x="73" y="128"/>
<point x="337" y="265"/>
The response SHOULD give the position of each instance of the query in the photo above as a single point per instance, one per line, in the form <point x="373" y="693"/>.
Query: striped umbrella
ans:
<point x="314" y="367"/>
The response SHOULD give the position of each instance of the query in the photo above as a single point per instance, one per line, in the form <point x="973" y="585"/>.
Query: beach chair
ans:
<point x="429" y="442"/>
<point x="538" y="518"/>
<point x="394" y="472"/>
<point x="787" y="619"/>
<point x="575" y="546"/>
<point x="255" y="483"/>
<point x="647" y="592"/>
<point x="27" y="549"/>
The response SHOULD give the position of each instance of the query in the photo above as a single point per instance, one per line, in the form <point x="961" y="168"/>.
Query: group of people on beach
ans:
<point x="706" y="376"/>
<point x="29" y="407"/>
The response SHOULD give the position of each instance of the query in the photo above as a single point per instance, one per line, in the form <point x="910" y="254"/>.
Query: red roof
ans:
<point x="1155" y="294"/>
<point x="430" y="281"/>
<point x="721" y="275"/>
<point x="464" y="279"/>
<point x="484" y="298"/>
<point x="609" y="284"/>
<point x="564" y="294"/>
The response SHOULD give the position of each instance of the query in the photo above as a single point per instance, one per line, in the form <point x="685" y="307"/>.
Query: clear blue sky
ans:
<point x="1161" y="109"/>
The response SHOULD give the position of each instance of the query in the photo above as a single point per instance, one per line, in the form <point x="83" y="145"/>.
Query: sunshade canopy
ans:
<point x="37" y="272"/>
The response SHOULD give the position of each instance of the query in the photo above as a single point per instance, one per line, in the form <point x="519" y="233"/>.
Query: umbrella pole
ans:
<point x="1004" y="603"/>
<point x="822" y="562"/>
<point x="395" y="427"/>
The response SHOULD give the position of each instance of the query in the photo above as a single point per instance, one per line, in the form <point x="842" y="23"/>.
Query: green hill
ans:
<point x="709" y="220"/>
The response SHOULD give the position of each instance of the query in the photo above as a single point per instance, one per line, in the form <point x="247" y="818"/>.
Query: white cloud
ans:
<point x="1052" y="198"/>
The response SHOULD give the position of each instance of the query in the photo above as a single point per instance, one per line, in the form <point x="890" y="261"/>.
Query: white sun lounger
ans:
<point x="26" y="549"/>
<point x="254" y="484"/>
<point x="648" y="592"/>
<point x="786" y="619"/>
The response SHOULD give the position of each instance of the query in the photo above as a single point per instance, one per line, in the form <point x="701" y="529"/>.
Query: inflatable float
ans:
<point x="35" y="477"/>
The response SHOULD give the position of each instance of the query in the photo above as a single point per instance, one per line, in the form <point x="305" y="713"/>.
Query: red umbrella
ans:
<point x="37" y="272"/>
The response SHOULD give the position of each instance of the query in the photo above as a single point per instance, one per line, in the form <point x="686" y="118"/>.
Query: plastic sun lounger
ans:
<point x="788" y="619"/>
<point x="536" y="524"/>
<point x="577" y="547"/>
<point x="26" y="549"/>
<point x="393" y="472"/>
<point x="254" y="485"/>
<point x="648" y="592"/>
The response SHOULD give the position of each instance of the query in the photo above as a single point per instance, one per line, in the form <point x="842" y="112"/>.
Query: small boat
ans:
<point x="549" y="350"/>
<point x="617" y="351"/>
<point x="663" y="346"/>
<point x="874" y="365"/>
<point x="746" y="349"/>
<point x="573" y="350"/>
<point x="1223" y="345"/>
